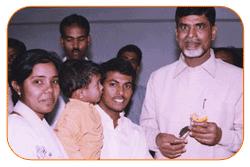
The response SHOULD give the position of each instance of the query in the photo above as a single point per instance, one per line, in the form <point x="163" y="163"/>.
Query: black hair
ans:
<point x="76" y="74"/>
<point x="23" y="64"/>
<point x="118" y="65"/>
<point x="14" y="43"/>
<point x="131" y="48"/>
<point x="75" y="19"/>
<point x="186" y="11"/>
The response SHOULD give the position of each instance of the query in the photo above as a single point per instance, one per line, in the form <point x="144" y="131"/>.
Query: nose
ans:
<point x="49" y="88"/>
<point x="120" y="90"/>
<point x="75" y="43"/>
<point x="192" y="32"/>
<point x="101" y="87"/>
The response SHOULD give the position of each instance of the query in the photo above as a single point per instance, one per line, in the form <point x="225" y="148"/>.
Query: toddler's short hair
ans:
<point x="75" y="74"/>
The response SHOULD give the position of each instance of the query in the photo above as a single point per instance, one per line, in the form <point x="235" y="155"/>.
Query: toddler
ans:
<point x="79" y="127"/>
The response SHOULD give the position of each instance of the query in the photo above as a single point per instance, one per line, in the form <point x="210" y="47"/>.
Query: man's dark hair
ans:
<point x="131" y="48"/>
<point x="186" y="11"/>
<point x="76" y="74"/>
<point x="14" y="43"/>
<point x="118" y="65"/>
<point x="75" y="19"/>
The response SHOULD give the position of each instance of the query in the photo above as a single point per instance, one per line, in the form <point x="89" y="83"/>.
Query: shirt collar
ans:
<point x="65" y="58"/>
<point x="80" y="102"/>
<point x="209" y="66"/>
<point x="105" y="117"/>
<point x="24" y="110"/>
<point x="29" y="115"/>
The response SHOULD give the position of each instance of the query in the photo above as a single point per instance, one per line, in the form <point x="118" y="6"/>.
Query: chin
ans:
<point x="193" y="53"/>
<point x="119" y="109"/>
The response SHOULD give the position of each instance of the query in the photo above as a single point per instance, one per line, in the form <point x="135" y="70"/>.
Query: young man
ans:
<point x="122" y="138"/>
<point x="133" y="55"/>
<point x="75" y="38"/>
<point x="196" y="84"/>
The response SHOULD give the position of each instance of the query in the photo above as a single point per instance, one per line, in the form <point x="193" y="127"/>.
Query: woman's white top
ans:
<point x="32" y="138"/>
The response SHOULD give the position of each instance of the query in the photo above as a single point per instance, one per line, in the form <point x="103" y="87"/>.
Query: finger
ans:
<point x="172" y="154"/>
<point x="199" y="130"/>
<point x="204" y="141"/>
<point x="173" y="151"/>
<point x="174" y="140"/>
<point x="179" y="141"/>
<point x="173" y="146"/>
<point x="200" y="136"/>
<point x="200" y="124"/>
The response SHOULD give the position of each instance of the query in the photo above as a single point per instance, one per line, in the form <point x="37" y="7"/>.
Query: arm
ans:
<point x="169" y="145"/>
<point x="21" y="139"/>
<point x="148" y="116"/>
<point x="208" y="133"/>
<point x="66" y="130"/>
<point x="141" y="147"/>
<point x="233" y="138"/>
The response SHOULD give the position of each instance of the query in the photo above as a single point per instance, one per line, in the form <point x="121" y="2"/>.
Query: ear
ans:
<point x="176" y="34"/>
<point x="61" y="41"/>
<point x="16" y="87"/>
<point x="80" y="93"/>
<point x="88" y="40"/>
<point x="137" y="70"/>
<point x="214" y="32"/>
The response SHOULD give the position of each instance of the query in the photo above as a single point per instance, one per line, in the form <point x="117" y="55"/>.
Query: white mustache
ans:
<point x="192" y="40"/>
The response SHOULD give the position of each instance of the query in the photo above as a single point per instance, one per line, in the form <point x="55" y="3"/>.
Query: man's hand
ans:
<point x="170" y="146"/>
<point x="207" y="133"/>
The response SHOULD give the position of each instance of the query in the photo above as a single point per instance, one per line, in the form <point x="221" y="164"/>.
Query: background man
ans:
<point x="15" y="47"/>
<point x="196" y="83"/>
<point x="75" y="38"/>
<point x="133" y="55"/>
<point x="230" y="55"/>
<point x="122" y="138"/>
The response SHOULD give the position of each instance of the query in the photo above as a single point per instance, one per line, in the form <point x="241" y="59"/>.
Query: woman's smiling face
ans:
<point x="40" y="90"/>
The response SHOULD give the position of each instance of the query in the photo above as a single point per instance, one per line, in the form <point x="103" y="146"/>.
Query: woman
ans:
<point x="34" y="79"/>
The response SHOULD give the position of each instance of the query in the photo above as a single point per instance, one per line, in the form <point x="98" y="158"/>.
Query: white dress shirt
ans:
<point x="126" y="141"/>
<point x="213" y="89"/>
<point x="32" y="138"/>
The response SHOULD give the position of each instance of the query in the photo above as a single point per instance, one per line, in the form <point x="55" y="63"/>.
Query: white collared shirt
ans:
<point x="65" y="58"/>
<point x="32" y="138"/>
<point x="126" y="141"/>
<point x="176" y="91"/>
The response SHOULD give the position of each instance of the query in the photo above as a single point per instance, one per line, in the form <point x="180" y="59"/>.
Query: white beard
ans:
<point x="192" y="50"/>
<point x="193" y="53"/>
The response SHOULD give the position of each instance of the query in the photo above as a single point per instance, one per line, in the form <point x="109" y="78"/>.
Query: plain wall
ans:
<point x="150" y="28"/>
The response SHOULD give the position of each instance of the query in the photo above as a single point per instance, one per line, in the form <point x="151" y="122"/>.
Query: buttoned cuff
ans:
<point x="226" y="138"/>
<point x="153" y="146"/>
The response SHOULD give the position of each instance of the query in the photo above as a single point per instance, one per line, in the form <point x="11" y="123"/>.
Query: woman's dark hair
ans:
<point x="22" y="66"/>
<point x="118" y="65"/>
<point x="209" y="12"/>
<point x="75" y="74"/>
